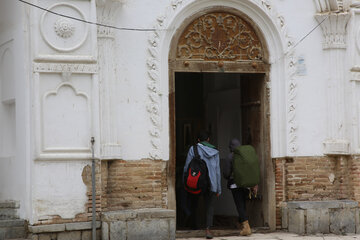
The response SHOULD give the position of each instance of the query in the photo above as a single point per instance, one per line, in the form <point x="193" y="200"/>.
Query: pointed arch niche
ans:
<point x="207" y="38"/>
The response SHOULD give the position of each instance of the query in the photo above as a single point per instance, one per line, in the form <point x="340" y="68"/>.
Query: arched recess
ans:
<point x="275" y="45"/>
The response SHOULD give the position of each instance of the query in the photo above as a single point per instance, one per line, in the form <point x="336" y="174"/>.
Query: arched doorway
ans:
<point x="218" y="66"/>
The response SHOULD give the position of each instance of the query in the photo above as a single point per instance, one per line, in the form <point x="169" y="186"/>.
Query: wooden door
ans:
<point x="252" y="126"/>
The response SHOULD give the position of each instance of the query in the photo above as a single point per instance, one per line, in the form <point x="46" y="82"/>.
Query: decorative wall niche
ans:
<point x="66" y="120"/>
<point x="7" y="79"/>
<point x="7" y="130"/>
<point x="65" y="110"/>
<point x="7" y="102"/>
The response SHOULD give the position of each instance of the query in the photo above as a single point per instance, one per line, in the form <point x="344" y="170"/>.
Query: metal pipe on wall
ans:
<point x="93" y="194"/>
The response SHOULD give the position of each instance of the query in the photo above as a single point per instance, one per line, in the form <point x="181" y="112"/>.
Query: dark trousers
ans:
<point x="192" y="204"/>
<point x="240" y="196"/>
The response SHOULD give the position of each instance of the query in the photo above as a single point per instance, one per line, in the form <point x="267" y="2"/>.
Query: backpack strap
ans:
<point x="195" y="147"/>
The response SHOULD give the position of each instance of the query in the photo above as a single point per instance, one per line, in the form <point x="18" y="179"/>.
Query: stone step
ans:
<point x="8" y="213"/>
<point x="12" y="229"/>
<point x="9" y="204"/>
<point x="12" y="223"/>
<point x="14" y="232"/>
<point x="8" y="209"/>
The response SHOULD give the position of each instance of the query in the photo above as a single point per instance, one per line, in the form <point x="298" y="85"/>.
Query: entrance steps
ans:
<point x="11" y="226"/>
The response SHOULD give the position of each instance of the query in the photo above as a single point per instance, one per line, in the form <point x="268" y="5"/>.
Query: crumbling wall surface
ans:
<point x="316" y="179"/>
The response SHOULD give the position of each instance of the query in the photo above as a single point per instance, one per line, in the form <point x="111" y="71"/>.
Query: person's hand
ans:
<point x="255" y="189"/>
<point x="218" y="194"/>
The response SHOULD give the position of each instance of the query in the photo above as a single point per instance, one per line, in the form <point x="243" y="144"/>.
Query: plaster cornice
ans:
<point x="101" y="3"/>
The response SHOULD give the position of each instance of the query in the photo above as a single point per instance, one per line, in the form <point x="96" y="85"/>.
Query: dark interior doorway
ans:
<point x="228" y="105"/>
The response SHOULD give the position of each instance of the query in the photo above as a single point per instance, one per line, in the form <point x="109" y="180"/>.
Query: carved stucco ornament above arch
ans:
<point x="153" y="65"/>
<point x="219" y="36"/>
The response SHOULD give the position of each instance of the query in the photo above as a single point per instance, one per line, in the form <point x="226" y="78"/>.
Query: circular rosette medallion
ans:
<point x="62" y="33"/>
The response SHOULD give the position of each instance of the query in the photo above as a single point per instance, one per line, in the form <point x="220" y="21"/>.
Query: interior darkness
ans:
<point x="228" y="106"/>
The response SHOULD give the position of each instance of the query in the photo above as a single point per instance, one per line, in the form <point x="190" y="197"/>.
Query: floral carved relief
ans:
<point x="64" y="28"/>
<point x="219" y="36"/>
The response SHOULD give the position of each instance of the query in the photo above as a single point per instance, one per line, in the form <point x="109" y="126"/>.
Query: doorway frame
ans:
<point x="249" y="67"/>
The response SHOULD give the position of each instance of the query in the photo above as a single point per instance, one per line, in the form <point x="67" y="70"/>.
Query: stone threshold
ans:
<point x="52" y="228"/>
<point x="217" y="232"/>
<point x="145" y="223"/>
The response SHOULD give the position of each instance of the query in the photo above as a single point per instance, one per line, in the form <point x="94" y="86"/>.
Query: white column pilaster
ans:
<point x="106" y="14"/>
<point x="334" y="32"/>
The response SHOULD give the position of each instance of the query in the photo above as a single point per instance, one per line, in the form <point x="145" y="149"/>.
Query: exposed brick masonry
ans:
<point x="316" y="178"/>
<point x="134" y="184"/>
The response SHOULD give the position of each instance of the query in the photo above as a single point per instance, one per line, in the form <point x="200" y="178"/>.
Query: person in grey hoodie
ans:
<point x="210" y="155"/>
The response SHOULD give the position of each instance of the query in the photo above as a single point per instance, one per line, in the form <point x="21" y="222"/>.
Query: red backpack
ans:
<point x="196" y="178"/>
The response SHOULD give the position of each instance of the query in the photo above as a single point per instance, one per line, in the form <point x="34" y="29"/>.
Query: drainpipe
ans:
<point x="93" y="195"/>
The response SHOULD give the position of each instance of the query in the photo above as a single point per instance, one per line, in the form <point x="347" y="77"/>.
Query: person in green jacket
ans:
<point x="239" y="194"/>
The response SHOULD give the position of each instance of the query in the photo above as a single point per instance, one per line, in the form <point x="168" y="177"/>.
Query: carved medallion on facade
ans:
<point x="61" y="33"/>
<point x="219" y="36"/>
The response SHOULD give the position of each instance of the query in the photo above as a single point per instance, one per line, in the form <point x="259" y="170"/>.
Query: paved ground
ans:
<point x="281" y="236"/>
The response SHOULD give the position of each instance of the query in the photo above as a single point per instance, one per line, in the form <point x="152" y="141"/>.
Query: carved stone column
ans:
<point x="354" y="44"/>
<point x="333" y="25"/>
<point x="106" y="14"/>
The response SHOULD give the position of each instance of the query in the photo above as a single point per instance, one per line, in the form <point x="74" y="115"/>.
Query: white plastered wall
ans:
<point x="143" y="60"/>
<point x="65" y="107"/>
<point x="311" y="75"/>
<point x="14" y="120"/>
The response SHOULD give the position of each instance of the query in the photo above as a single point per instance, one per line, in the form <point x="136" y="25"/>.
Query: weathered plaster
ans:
<point x="58" y="189"/>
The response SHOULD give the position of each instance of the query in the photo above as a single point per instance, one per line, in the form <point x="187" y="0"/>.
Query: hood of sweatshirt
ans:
<point x="207" y="151"/>
<point x="234" y="143"/>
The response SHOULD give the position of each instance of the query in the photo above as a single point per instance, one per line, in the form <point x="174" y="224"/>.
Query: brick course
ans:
<point x="134" y="185"/>
<point x="316" y="178"/>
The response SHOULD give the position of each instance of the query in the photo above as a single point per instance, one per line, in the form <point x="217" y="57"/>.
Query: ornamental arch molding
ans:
<point x="280" y="56"/>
